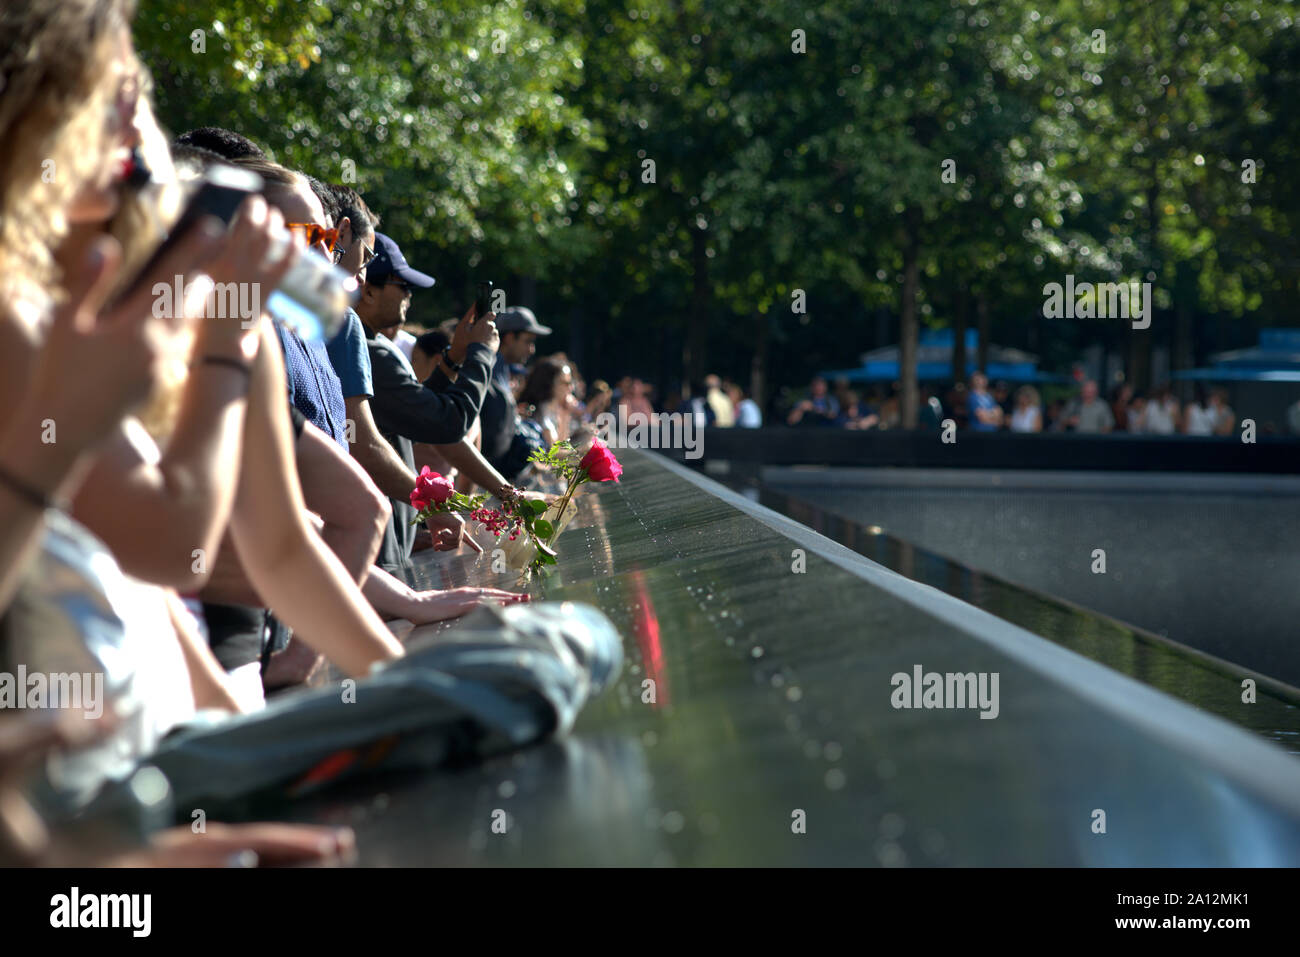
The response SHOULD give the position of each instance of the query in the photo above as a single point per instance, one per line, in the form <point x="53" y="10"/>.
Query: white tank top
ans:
<point x="77" y="614"/>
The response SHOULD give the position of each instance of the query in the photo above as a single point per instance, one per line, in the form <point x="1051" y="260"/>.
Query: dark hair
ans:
<point x="274" y="174"/>
<point x="350" y="204"/>
<point x="431" y="343"/>
<point x="540" y="385"/>
<point x="225" y="143"/>
<point x="329" y="203"/>
<point x="196" y="156"/>
<point x="279" y="177"/>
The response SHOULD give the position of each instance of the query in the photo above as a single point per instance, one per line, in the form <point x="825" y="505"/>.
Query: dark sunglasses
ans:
<point x="367" y="254"/>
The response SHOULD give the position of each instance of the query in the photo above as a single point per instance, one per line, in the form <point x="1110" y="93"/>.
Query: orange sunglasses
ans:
<point x="315" y="234"/>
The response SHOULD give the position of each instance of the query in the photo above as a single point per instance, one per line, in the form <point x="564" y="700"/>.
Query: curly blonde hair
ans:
<point x="53" y="102"/>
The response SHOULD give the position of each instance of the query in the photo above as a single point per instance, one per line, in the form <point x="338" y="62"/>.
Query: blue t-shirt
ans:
<point x="313" y="387"/>
<point x="350" y="358"/>
<point x="981" y="400"/>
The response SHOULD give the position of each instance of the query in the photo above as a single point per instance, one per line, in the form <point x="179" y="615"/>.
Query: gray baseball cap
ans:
<point x="520" y="319"/>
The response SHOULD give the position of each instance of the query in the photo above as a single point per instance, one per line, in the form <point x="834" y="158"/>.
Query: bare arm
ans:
<point x="335" y="485"/>
<point x="338" y="489"/>
<point x="50" y="468"/>
<point x="185" y="499"/>
<point x="290" y="566"/>
<point x="465" y="456"/>
<point x="375" y="454"/>
<point x="207" y="679"/>
<point x="58" y="398"/>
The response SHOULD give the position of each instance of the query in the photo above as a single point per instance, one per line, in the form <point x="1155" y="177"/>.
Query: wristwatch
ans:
<point x="446" y="357"/>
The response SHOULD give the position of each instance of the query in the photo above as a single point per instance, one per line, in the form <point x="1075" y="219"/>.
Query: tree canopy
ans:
<point x="661" y="179"/>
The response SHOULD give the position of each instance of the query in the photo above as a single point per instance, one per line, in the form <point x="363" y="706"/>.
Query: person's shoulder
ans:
<point x="385" y="357"/>
<point x="382" y="346"/>
<point x="349" y="343"/>
<point x="383" y="354"/>
<point x="353" y="329"/>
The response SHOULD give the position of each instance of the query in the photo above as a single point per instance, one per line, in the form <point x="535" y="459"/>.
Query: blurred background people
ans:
<point x="1027" y="415"/>
<point x="985" y="415"/>
<point x="819" y="408"/>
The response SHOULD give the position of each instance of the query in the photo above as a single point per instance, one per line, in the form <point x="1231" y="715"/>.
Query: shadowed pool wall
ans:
<point x="1210" y="561"/>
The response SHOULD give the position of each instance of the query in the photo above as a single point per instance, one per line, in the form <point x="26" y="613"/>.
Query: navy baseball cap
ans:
<point x="390" y="264"/>
<point x="520" y="319"/>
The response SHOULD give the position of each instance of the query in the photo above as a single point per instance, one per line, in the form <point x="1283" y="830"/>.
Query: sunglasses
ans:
<point x="367" y="254"/>
<point x="315" y="234"/>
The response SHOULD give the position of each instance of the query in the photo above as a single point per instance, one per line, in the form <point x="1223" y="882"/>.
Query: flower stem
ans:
<point x="578" y="479"/>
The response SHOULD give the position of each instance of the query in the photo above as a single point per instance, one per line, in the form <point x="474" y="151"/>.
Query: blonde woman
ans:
<point x="163" y="513"/>
<point x="271" y="553"/>
<point x="1027" y="416"/>
<point x="69" y="369"/>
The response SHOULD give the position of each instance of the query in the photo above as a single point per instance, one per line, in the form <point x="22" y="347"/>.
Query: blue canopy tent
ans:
<point x="934" y="362"/>
<point x="1263" y="381"/>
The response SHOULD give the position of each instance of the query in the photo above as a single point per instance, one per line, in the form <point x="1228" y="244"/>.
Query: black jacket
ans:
<point x="406" y="411"/>
<point x="500" y="420"/>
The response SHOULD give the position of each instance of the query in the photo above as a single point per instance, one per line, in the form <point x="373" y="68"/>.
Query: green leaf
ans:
<point x="543" y="529"/>
<point x="538" y="507"/>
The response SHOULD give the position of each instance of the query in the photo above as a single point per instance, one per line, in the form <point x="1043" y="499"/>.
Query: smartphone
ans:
<point x="221" y="191"/>
<point x="483" y="299"/>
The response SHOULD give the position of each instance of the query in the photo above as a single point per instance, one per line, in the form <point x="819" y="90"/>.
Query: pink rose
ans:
<point x="599" y="463"/>
<point x="431" y="488"/>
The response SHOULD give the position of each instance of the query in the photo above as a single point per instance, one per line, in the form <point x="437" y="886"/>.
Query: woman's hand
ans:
<point x="25" y="740"/>
<point x="253" y="258"/>
<point x="448" y="530"/>
<point x="96" y="365"/>
<point x="243" y="845"/>
<point x="454" y="602"/>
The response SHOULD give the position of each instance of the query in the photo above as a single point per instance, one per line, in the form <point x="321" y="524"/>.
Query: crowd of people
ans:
<point x="1156" y="413"/>
<point x="202" y="508"/>
<point x="983" y="408"/>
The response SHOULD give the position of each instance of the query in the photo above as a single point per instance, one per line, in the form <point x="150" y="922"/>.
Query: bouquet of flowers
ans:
<point x="435" y="494"/>
<point x="532" y="524"/>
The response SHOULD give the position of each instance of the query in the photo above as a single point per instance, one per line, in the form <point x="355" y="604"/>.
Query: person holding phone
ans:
<point x="504" y="446"/>
<point x="404" y="410"/>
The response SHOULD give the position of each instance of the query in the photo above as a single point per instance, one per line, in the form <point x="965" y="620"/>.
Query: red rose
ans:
<point x="599" y="463"/>
<point x="430" y="488"/>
